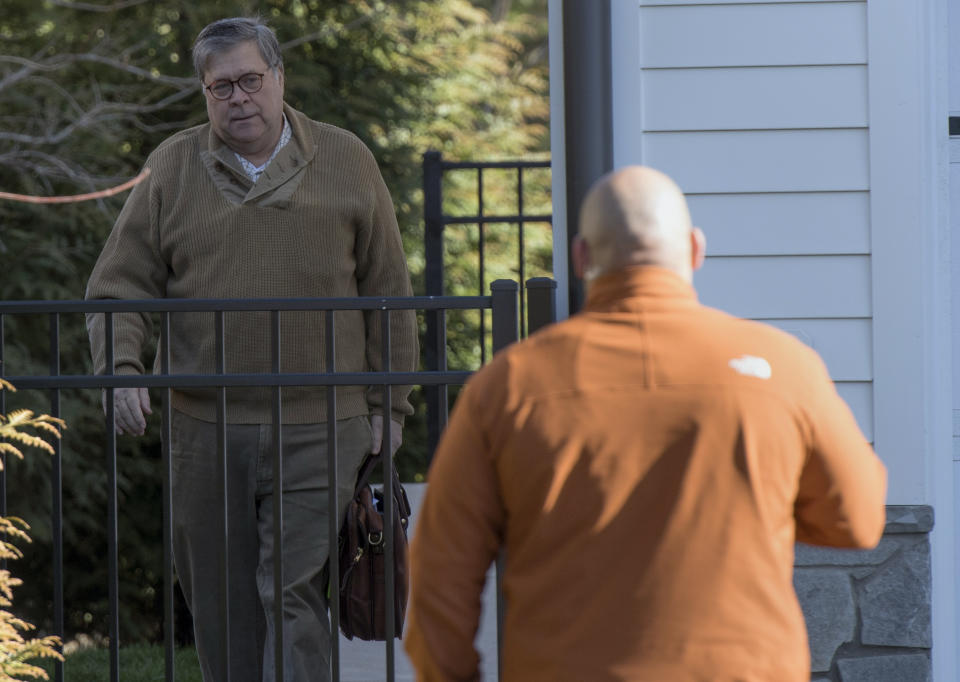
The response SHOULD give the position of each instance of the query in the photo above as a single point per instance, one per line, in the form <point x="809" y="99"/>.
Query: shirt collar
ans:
<point x="252" y="171"/>
<point x="637" y="281"/>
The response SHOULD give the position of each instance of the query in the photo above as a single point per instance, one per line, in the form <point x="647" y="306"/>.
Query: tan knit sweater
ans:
<point x="319" y="222"/>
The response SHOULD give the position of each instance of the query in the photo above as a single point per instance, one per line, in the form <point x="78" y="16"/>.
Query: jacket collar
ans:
<point x="614" y="289"/>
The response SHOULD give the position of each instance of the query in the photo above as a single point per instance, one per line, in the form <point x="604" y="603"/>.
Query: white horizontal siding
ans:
<point x="762" y="161"/>
<point x="673" y="3"/>
<point x="755" y="98"/>
<point x="752" y="34"/>
<point x="785" y="223"/>
<point x="759" y="110"/>
<point x="844" y="344"/>
<point x="859" y="396"/>
<point x="787" y="287"/>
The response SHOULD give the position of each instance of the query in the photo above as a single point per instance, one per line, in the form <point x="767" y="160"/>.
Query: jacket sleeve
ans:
<point x="455" y="539"/>
<point x="129" y="267"/>
<point x="382" y="271"/>
<point x="842" y="492"/>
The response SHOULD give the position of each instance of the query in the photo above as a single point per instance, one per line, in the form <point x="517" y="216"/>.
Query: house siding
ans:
<point x="803" y="133"/>
<point x="760" y="112"/>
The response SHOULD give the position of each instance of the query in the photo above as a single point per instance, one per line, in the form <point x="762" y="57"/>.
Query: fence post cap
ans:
<point x="541" y="283"/>
<point x="504" y="285"/>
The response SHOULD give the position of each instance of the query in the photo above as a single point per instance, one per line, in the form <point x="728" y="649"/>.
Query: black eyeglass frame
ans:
<point x="235" y="83"/>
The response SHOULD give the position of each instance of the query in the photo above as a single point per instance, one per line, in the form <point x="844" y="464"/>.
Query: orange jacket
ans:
<point x="646" y="466"/>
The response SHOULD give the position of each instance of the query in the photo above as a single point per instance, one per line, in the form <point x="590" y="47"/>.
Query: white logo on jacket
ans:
<point x="752" y="366"/>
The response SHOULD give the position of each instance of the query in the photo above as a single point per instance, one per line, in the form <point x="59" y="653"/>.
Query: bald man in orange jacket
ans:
<point x="646" y="466"/>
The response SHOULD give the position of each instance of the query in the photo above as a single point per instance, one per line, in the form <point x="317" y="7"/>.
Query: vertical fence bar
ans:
<point x="435" y="341"/>
<point x="433" y="222"/>
<point x="56" y="495"/>
<point x="112" y="532"/>
<point x="520" y="247"/>
<point x="277" y="504"/>
<point x="221" y="355"/>
<point x="435" y="359"/>
<point x="167" y="476"/>
<point x="386" y="456"/>
<point x="333" y="527"/>
<point x="481" y="245"/>
<point x="504" y="314"/>
<point x="541" y="303"/>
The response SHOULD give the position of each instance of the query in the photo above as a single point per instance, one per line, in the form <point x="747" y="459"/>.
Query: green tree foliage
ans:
<point x="89" y="87"/>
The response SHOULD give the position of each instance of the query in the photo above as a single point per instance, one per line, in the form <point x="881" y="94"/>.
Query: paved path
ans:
<point x="366" y="661"/>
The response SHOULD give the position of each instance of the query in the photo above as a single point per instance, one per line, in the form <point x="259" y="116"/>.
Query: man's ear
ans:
<point x="581" y="257"/>
<point x="698" y="248"/>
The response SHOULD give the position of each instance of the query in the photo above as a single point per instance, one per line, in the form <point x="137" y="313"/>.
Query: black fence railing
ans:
<point x="435" y="220"/>
<point x="506" y="323"/>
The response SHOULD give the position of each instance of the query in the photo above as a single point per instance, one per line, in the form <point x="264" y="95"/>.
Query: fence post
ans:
<point x="504" y="310"/>
<point x="435" y="342"/>
<point x="541" y="303"/>
<point x="505" y="318"/>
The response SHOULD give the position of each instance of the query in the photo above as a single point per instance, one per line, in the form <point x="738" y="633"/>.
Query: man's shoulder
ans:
<point x="328" y="130"/>
<point x="537" y="351"/>
<point x="177" y="146"/>
<point x="762" y="333"/>
<point x="327" y="133"/>
<point x="742" y="350"/>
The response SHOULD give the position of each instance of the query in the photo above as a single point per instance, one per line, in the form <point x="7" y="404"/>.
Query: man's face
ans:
<point x="249" y="123"/>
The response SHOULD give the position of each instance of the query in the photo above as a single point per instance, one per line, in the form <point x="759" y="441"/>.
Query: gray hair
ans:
<point x="225" y="34"/>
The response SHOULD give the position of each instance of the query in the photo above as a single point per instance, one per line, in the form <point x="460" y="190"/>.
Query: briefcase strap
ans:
<point x="399" y="494"/>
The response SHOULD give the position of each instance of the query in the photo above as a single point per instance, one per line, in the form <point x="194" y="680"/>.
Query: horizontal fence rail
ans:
<point x="505" y="326"/>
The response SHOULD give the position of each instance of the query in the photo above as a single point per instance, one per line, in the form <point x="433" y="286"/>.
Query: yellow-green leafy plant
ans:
<point x="16" y="651"/>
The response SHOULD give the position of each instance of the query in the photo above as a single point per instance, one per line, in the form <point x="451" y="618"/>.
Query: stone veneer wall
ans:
<point x="868" y="612"/>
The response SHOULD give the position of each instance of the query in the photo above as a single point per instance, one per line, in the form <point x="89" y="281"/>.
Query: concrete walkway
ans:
<point x="366" y="661"/>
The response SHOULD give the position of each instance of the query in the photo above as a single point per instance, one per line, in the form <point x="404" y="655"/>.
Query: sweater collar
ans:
<point x="288" y="162"/>
<point x="638" y="281"/>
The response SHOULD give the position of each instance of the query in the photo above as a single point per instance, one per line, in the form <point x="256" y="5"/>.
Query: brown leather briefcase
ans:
<point x="362" y="544"/>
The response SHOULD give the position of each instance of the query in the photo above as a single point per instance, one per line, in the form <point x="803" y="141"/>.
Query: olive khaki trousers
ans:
<point x="198" y="541"/>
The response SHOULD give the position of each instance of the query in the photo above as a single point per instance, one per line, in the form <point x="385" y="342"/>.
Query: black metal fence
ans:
<point x="506" y="323"/>
<point x="435" y="220"/>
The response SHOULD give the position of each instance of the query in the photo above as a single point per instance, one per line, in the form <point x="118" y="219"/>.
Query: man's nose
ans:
<point x="239" y="95"/>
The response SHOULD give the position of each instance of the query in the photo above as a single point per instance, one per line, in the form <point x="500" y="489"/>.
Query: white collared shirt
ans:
<point x="254" y="172"/>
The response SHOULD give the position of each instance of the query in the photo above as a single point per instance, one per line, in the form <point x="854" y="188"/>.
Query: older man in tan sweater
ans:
<point x="646" y="466"/>
<point x="259" y="202"/>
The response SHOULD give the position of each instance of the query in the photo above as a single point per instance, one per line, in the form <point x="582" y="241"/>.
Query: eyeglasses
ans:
<point x="223" y="88"/>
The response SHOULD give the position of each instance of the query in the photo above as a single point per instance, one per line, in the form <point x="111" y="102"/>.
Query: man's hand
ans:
<point x="131" y="405"/>
<point x="396" y="434"/>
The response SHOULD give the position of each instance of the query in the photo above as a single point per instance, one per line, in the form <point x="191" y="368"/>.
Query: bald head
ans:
<point x="636" y="216"/>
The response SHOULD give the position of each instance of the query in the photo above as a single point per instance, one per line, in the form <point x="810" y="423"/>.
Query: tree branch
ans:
<point x="92" y="7"/>
<point x="57" y="62"/>
<point x="323" y="32"/>
<point x="98" y="114"/>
